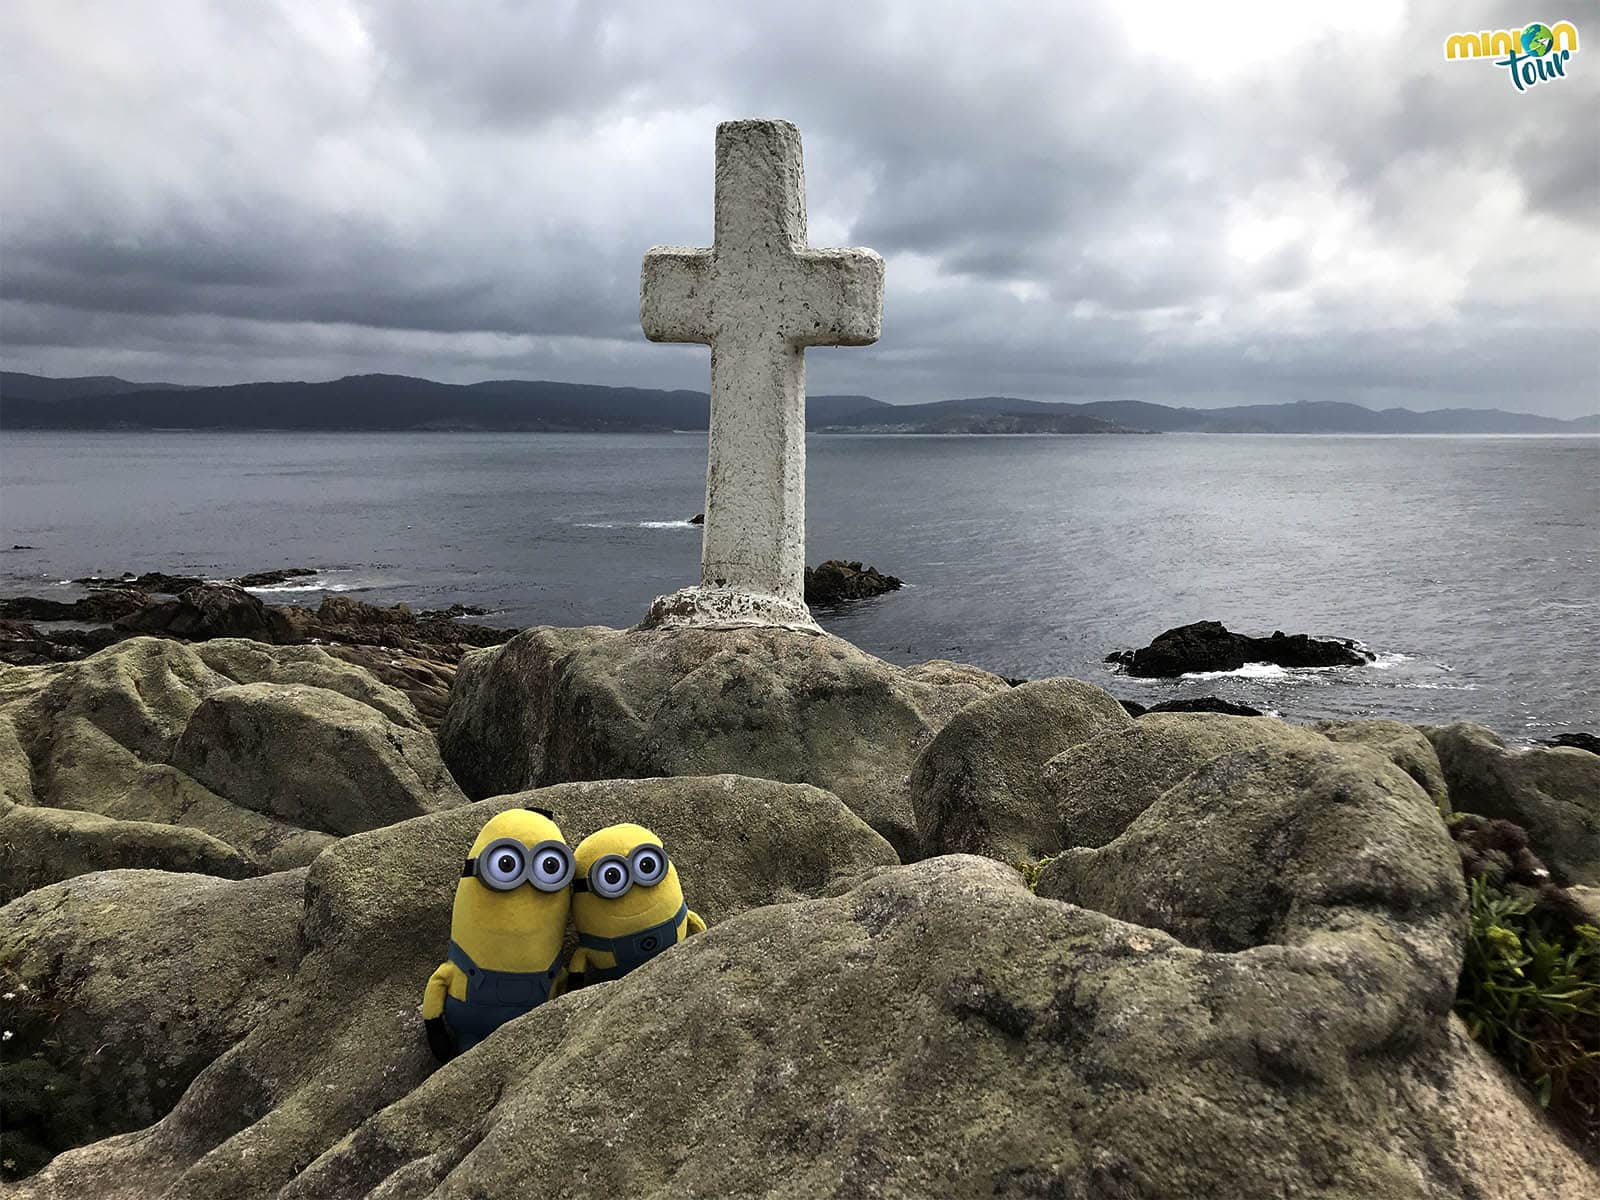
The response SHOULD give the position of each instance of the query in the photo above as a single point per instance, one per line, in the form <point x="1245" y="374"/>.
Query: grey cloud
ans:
<point x="213" y="192"/>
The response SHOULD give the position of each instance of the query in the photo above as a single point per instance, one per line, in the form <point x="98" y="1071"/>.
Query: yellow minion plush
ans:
<point x="627" y="904"/>
<point x="506" y="931"/>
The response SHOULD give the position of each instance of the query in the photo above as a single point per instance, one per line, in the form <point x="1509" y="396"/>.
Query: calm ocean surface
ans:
<point x="1471" y="564"/>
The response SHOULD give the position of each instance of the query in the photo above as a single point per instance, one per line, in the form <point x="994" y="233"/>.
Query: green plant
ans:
<point x="1032" y="868"/>
<point x="1530" y="993"/>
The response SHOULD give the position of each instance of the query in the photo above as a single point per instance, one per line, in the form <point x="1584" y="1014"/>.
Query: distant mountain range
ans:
<point x="399" y="402"/>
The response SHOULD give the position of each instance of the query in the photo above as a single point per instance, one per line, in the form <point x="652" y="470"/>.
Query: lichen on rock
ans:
<point x="557" y="705"/>
<point x="232" y="757"/>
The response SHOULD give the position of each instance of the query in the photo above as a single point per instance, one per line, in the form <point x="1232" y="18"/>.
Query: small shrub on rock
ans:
<point x="1530" y="993"/>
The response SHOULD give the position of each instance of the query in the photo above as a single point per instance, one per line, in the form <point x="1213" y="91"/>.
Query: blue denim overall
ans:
<point x="493" y="998"/>
<point x="634" y="948"/>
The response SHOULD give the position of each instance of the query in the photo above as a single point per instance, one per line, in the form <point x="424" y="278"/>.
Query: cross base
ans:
<point x="727" y="608"/>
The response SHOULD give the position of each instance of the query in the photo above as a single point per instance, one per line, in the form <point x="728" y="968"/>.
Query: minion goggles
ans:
<point x="612" y="875"/>
<point x="505" y="864"/>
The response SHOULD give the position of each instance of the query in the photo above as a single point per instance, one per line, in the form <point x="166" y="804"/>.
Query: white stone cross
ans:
<point x="759" y="296"/>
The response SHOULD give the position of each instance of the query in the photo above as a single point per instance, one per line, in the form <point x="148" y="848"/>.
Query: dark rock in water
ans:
<point x="1133" y="708"/>
<point x="150" y="581"/>
<point x="1575" y="740"/>
<point x="105" y="605"/>
<point x="269" y="578"/>
<point x="1209" y="646"/>
<point x="698" y="519"/>
<point x="1208" y="704"/>
<point x="174" y="585"/>
<point x="208" y="611"/>
<point x="836" y="581"/>
<point x="22" y="645"/>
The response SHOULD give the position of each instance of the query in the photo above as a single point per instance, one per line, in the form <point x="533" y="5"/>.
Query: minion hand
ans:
<point x="439" y="1039"/>
<point x="439" y="984"/>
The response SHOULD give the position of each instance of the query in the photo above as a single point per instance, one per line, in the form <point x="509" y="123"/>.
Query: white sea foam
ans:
<point x="1392" y="659"/>
<point x="1248" y="671"/>
<point x="634" y="525"/>
<point x="304" y="587"/>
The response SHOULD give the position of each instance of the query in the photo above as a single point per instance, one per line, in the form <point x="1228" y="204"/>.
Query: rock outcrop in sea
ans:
<point x="1210" y="646"/>
<point x="230" y="866"/>
<point x="837" y="581"/>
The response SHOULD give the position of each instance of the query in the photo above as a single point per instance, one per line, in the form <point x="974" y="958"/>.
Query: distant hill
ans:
<point x="1125" y="416"/>
<point x="377" y="402"/>
<point x="15" y="385"/>
<point x="400" y="402"/>
<point x="981" y="414"/>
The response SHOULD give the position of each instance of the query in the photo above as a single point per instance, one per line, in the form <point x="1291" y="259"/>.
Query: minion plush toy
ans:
<point x="627" y="904"/>
<point x="506" y="930"/>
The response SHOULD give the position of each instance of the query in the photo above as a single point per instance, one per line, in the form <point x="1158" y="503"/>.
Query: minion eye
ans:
<point x="609" y="878"/>
<point x="552" y="867"/>
<point x="502" y="865"/>
<point x="648" y="865"/>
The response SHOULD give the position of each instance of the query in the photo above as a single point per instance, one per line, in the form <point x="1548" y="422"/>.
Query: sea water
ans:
<point x="1469" y="565"/>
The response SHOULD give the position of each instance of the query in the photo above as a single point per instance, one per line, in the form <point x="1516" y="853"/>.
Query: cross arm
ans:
<point x="675" y="294"/>
<point x="837" y="298"/>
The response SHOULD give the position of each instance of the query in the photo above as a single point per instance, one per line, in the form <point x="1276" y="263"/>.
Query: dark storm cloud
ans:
<point x="1076" y="201"/>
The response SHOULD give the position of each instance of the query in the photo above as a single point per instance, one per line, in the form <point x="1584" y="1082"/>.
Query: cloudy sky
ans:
<point x="1187" y="203"/>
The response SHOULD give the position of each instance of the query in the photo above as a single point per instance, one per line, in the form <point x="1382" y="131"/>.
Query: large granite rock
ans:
<point x="979" y="786"/>
<point x="121" y="986"/>
<point x="1552" y="792"/>
<point x="414" y="651"/>
<point x="1210" y="646"/>
<point x="566" y="704"/>
<point x="1289" y="844"/>
<point x="1403" y="745"/>
<point x="1100" y="786"/>
<point x="151" y="754"/>
<point x="932" y="1030"/>
<point x="39" y="846"/>
<point x="313" y="758"/>
<point x="374" y="923"/>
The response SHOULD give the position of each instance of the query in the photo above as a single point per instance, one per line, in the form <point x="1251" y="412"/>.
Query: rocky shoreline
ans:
<point x="967" y="934"/>
<point x="413" y="650"/>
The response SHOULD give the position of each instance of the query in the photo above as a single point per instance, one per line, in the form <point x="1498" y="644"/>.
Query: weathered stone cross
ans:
<point x="758" y="297"/>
